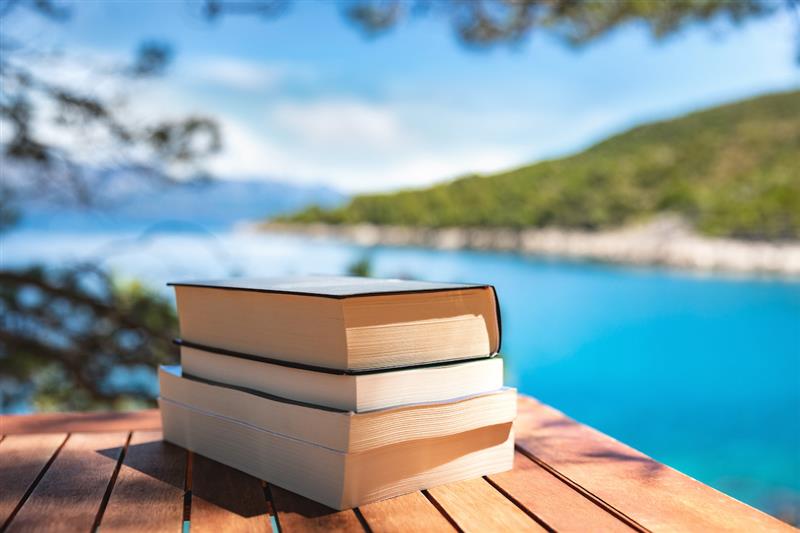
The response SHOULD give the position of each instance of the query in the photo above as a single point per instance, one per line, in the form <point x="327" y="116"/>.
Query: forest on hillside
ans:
<point x="731" y="171"/>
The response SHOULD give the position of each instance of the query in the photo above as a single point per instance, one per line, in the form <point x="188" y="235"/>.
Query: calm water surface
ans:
<point x="700" y="372"/>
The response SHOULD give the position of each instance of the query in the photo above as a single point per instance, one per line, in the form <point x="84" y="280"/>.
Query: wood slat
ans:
<point x="148" y="493"/>
<point x="654" y="495"/>
<point x="106" y="422"/>
<point x="556" y="503"/>
<point x="477" y="506"/>
<point x="587" y="471"/>
<point x="22" y="458"/>
<point x="296" y="513"/>
<point x="69" y="495"/>
<point x="412" y="512"/>
<point x="225" y="499"/>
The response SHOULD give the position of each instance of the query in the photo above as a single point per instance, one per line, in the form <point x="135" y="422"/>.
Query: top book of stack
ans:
<point x="341" y="324"/>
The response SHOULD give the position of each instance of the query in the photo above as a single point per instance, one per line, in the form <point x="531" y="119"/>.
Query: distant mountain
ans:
<point x="732" y="170"/>
<point x="133" y="203"/>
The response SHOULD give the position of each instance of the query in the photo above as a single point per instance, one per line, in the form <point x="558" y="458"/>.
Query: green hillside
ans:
<point x="732" y="170"/>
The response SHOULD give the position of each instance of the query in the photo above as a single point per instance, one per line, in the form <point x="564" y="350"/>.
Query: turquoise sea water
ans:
<point x="700" y="372"/>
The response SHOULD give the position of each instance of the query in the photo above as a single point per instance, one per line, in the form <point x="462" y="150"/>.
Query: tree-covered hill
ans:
<point x="732" y="170"/>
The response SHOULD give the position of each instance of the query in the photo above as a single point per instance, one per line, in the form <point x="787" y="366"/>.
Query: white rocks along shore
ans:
<point x="664" y="241"/>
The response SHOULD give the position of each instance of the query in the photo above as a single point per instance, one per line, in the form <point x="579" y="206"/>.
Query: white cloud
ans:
<point x="420" y="167"/>
<point x="246" y="153"/>
<point x="351" y="143"/>
<point x="242" y="75"/>
<point x="251" y="153"/>
<point x="340" y="124"/>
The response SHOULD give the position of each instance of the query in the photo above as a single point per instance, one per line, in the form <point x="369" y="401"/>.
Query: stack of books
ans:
<point x="344" y="390"/>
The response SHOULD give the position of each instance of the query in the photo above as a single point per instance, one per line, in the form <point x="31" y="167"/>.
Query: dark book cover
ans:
<point x="327" y="286"/>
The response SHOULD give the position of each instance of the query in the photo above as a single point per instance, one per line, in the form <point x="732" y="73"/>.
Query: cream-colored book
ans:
<point x="350" y="392"/>
<point x="336" y="429"/>
<point x="335" y="478"/>
<point x="341" y="323"/>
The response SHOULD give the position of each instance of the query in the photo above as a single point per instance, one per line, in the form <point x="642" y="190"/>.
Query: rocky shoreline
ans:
<point x="665" y="241"/>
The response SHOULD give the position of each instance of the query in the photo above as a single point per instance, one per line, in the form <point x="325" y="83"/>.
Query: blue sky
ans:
<point x="307" y="98"/>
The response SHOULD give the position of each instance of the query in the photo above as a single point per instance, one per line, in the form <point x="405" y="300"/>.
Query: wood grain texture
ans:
<point x="477" y="506"/>
<point x="587" y="471"/>
<point x="556" y="503"/>
<point x="106" y="422"/>
<point x="654" y="495"/>
<point x="22" y="458"/>
<point x="412" y="512"/>
<point x="148" y="493"/>
<point x="296" y="513"/>
<point x="225" y="499"/>
<point x="69" y="494"/>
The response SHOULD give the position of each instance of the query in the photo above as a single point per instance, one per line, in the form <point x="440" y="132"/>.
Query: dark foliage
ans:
<point x="577" y="22"/>
<point x="30" y="98"/>
<point x="75" y="339"/>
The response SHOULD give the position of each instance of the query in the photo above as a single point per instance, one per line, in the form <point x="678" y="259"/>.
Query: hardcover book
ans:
<point x="344" y="324"/>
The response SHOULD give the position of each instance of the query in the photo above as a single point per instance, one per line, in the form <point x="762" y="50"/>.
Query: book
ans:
<point x="344" y="324"/>
<point x="350" y="392"/>
<point x="339" y="430"/>
<point x="334" y="478"/>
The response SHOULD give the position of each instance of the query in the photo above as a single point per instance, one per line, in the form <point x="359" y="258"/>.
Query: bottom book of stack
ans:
<point x="340" y="458"/>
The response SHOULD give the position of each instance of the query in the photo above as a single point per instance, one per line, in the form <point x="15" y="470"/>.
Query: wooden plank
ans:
<point x="225" y="499"/>
<point x="148" y="493"/>
<point x="22" y="458"/>
<point x="654" y="495"/>
<point x="477" y="506"/>
<point x="70" y="493"/>
<point x="556" y="503"/>
<point x="296" y="513"/>
<point x="412" y="512"/>
<point x="106" y="422"/>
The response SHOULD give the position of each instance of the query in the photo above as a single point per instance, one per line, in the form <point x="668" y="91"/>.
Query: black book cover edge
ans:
<point x="457" y="287"/>
<point x="322" y="369"/>
<point x="261" y="394"/>
<point x="280" y="399"/>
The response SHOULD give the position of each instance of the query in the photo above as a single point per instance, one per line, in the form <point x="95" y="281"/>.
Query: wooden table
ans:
<point x="79" y="472"/>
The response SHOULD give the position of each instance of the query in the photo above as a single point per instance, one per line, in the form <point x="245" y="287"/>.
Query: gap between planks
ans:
<point x="187" y="493"/>
<point x="273" y="516"/>
<point x="110" y="487"/>
<point x="33" y="484"/>
<point x="605" y="506"/>
<point x="442" y="510"/>
<point x="516" y="502"/>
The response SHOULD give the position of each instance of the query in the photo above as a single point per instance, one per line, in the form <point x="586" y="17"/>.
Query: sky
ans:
<point x="306" y="98"/>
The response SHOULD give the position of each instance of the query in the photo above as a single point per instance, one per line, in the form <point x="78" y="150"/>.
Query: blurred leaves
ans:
<point x="487" y="23"/>
<point x="578" y="22"/>
<point x="76" y="339"/>
<point x="152" y="59"/>
<point x="375" y="17"/>
<point x="54" y="10"/>
<point x="214" y="9"/>
<point x="361" y="267"/>
<point x="185" y="140"/>
<point x="48" y="121"/>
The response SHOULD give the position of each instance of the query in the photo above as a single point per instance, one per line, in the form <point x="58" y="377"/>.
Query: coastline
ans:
<point x="665" y="241"/>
